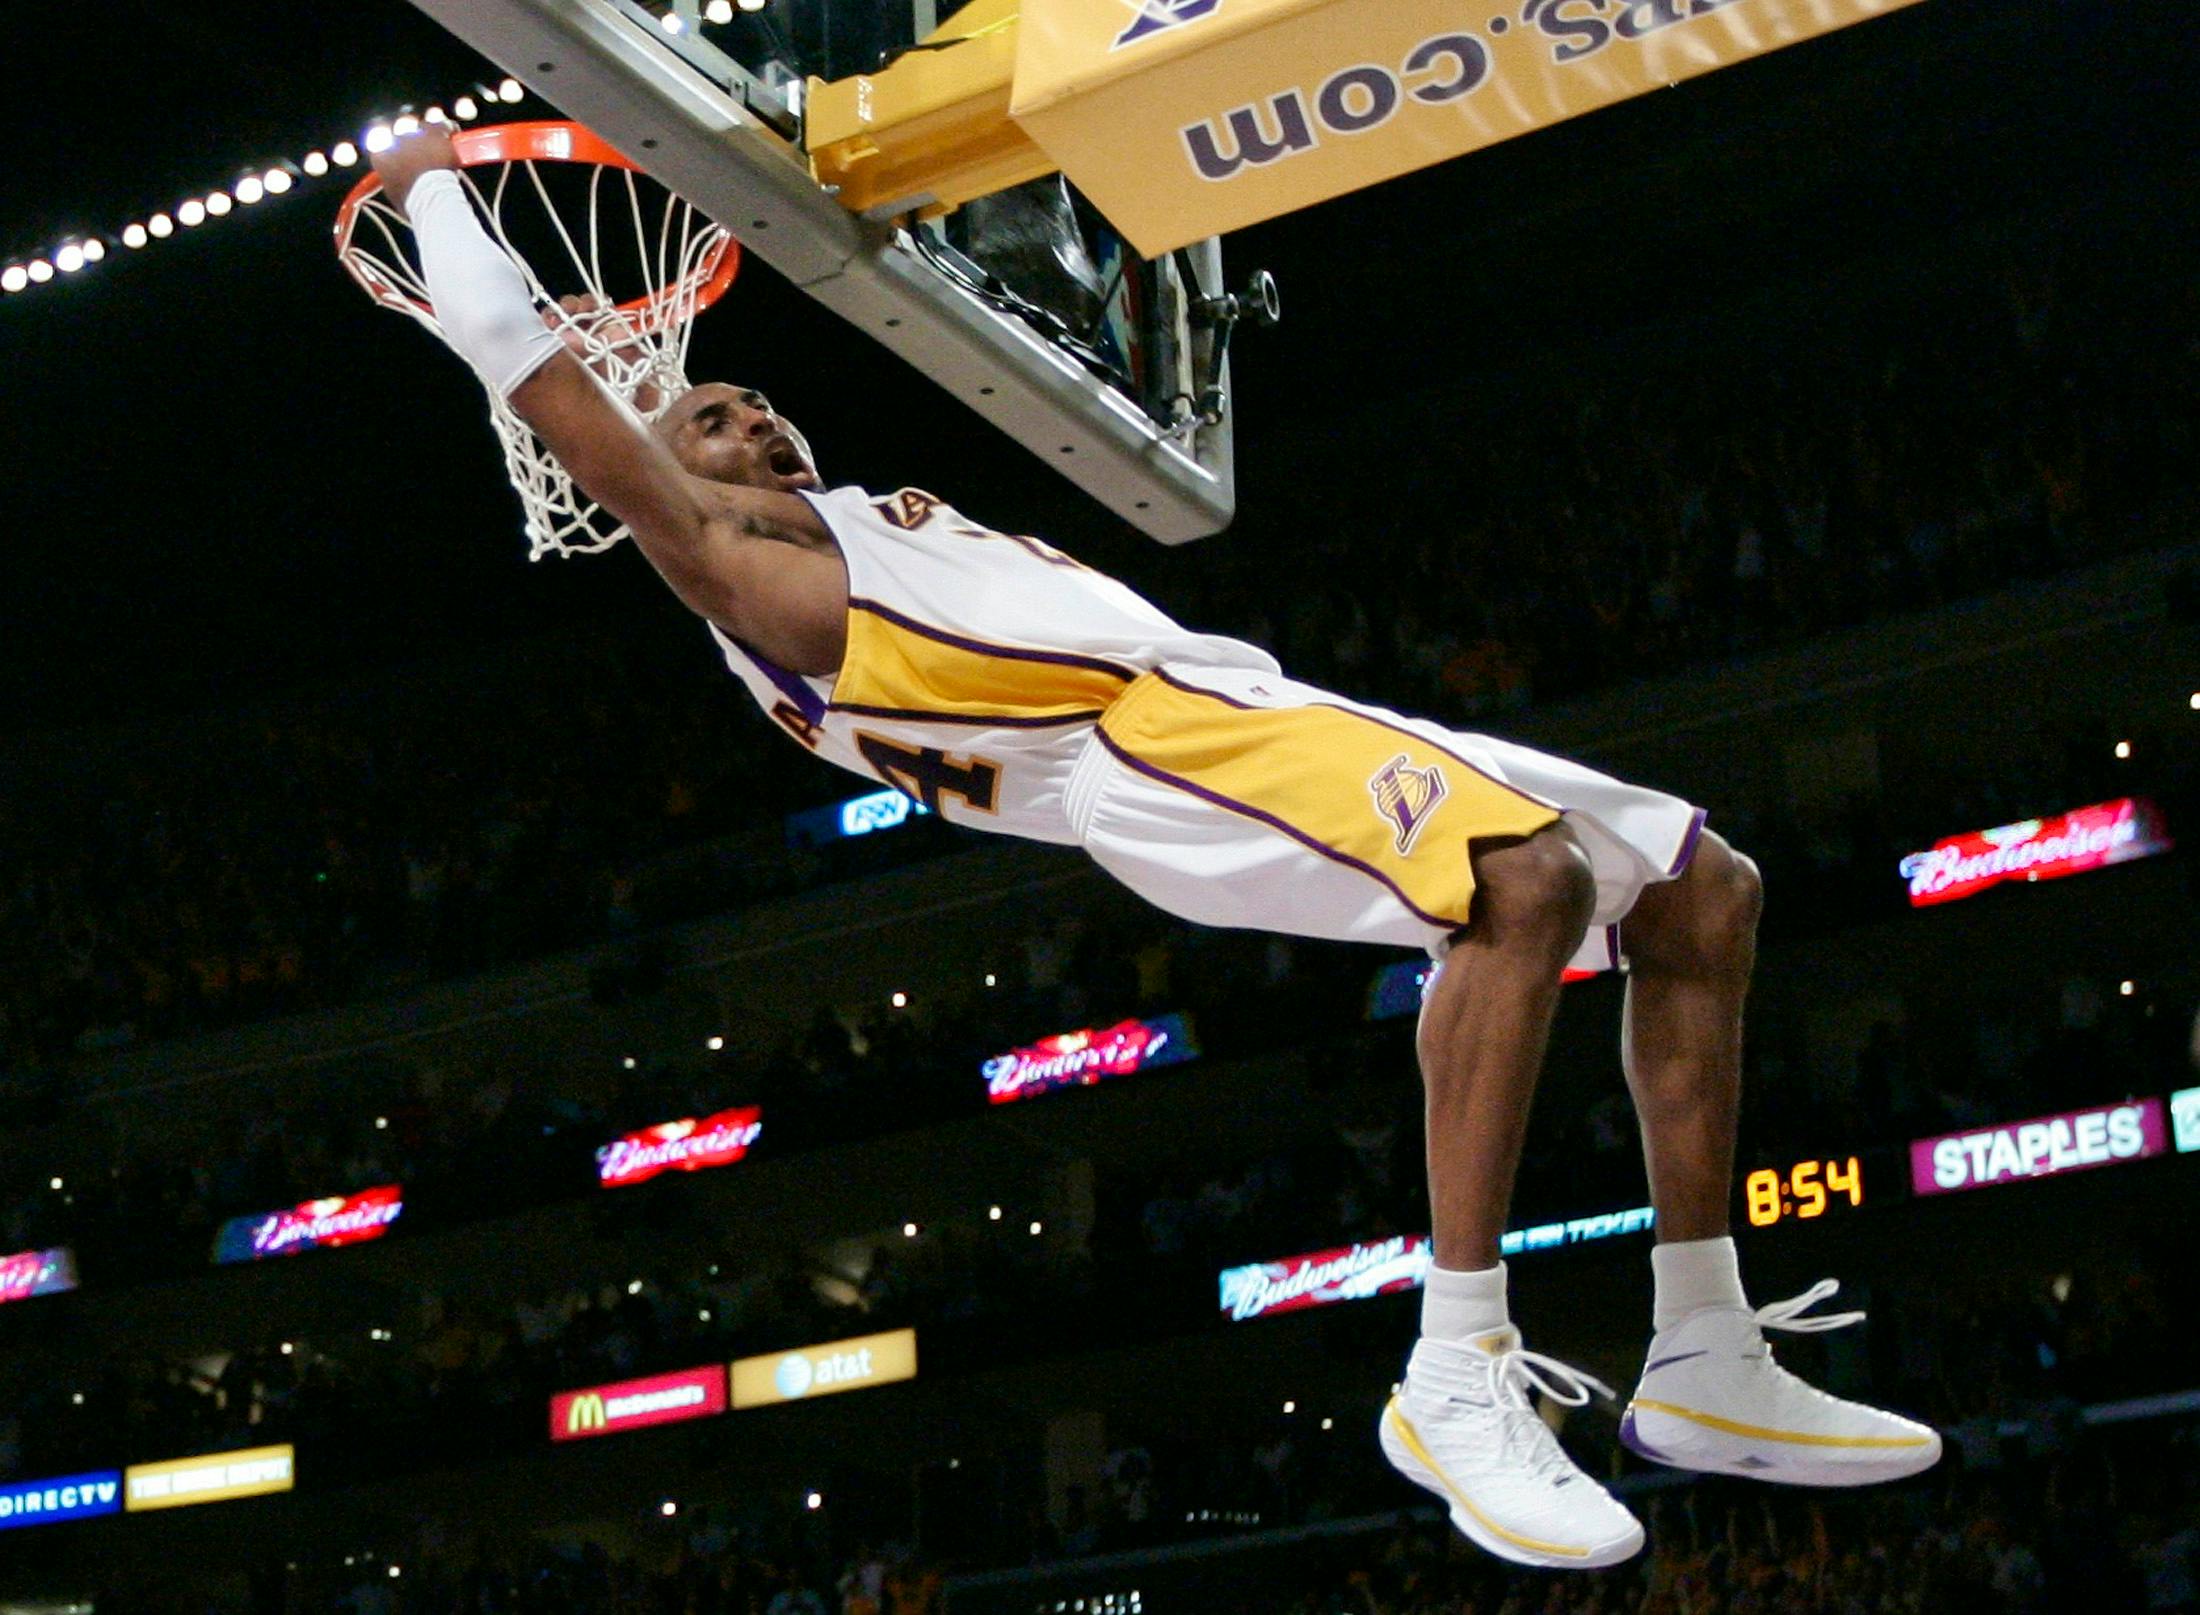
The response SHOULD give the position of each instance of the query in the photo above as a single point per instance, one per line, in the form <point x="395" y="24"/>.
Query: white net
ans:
<point x="641" y="262"/>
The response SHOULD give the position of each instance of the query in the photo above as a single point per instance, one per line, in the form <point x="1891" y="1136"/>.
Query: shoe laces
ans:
<point x="1513" y="1377"/>
<point x="1788" y="1315"/>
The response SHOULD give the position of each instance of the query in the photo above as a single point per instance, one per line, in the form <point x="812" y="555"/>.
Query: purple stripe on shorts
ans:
<point x="980" y="647"/>
<point x="978" y="721"/>
<point x="1688" y="844"/>
<point x="1274" y="823"/>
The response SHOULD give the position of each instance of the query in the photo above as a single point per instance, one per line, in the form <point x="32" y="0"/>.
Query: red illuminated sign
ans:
<point x="344" y="1219"/>
<point x="29" y="1273"/>
<point x="1077" y="1059"/>
<point x="2036" y="849"/>
<point x="601" y="1410"/>
<point x="2045" y="1147"/>
<point x="682" y="1146"/>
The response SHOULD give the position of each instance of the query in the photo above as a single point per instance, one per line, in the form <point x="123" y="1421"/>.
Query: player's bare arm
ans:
<point x="748" y="555"/>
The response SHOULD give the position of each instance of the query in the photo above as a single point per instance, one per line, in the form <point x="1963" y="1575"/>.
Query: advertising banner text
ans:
<point x="2047" y="1146"/>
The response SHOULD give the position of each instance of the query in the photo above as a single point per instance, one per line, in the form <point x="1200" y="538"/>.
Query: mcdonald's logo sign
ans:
<point x="692" y="1393"/>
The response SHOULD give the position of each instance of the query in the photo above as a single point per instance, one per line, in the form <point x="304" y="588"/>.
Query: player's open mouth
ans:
<point x="785" y="462"/>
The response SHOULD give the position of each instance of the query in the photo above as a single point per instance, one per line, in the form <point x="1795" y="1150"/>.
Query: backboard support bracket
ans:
<point x="687" y="114"/>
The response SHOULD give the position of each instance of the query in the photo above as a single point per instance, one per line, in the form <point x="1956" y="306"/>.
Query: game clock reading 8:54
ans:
<point x="1804" y="1190"/>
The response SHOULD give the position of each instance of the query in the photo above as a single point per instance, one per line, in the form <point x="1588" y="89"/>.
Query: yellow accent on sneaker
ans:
<point x="1759" y="1432"/>
<point x="1406" y="1433"/>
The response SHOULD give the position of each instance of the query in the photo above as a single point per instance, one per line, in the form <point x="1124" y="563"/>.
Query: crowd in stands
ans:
<point x="1615" y="524"/>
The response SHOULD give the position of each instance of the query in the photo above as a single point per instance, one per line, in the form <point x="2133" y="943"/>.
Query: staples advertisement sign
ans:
<point x="682" y="1146"/>
<point x="2036" y="849"/>
<point x="2073" y="1142"/>
<point x="67" y="1497"/>
<point x="1079" y="1059"/>
<point x="216" y="1478"/>
<point x="1398" y="989"/>
<point x="29" y="1273"/>
<point x="344" y="1219"/>
<point x="601" y="1410"/>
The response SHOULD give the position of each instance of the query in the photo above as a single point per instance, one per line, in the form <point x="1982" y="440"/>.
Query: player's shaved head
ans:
<point x="731" y="434"/>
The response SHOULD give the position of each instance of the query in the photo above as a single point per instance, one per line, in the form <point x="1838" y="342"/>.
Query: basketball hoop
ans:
<point x="557" y="186"/>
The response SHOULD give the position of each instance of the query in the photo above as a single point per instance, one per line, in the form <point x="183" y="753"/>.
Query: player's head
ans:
<point x="730" y="434"/>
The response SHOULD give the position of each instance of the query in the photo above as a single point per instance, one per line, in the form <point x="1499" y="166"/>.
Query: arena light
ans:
<point x="315" y="165"/>
<point x="69" y="259"/>
<point x="55" y="1185"/>
<point x="718" y="11"/>
<point x="14" y="278"/>
<point x="133" y="235"/>
<point x="909" y="1230"/>
<point x="218" y="204"/>
<point x="466" y="108"/>
<point x="250" y="190"/>
<point x="405" y="124"/>
<point x="436" y="115"/>
<point x="671" y="22"/>
<point x="814" y="1502"/>
<point x="160" y="227"/>
<point x="1037" y="1228"/>
<point x="40" y="271"/>
<point x="752" y="5"/>
<point x="344" y="155"/>
<point x="993" y="1213"/>
<point x="2123" y="751"/>
<point x="378" y="138"/>
<point x="94" y="250"/>
<point x="509" y="90"/>
<point x="277" y="181"/>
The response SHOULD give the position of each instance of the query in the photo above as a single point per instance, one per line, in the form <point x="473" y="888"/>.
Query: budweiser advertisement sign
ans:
<point x="344" y="1219"/>
<point x="682" y="1146"/>
<point x="1079" y="1059"/>
<point x="1401" y="1262"/>
<point x="29" y="1273"/>
<point x="2076" y="1141"/>
<point x="601" y="1410"/>
<point x="1348" y="1273"/>
<point x="2036" y="849"/>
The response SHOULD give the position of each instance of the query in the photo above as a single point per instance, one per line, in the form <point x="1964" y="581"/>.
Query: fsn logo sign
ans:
<point x="1351" y="101"/>
<point x="814" y="1371"/>
<point x="1152" y="17"/>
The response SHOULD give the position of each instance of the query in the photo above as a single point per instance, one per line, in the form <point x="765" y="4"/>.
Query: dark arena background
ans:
<point x="1819" y="440"/>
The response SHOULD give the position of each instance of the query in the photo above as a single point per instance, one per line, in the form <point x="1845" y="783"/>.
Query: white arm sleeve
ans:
<point x="479" y="296"/>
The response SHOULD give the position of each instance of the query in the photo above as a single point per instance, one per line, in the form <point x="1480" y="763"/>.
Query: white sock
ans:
<point x="1457" y="1307"/>
<point x="1692" y="1274"/>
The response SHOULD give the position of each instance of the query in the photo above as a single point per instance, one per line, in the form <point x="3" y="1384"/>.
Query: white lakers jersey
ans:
<point x="977" y="662"/>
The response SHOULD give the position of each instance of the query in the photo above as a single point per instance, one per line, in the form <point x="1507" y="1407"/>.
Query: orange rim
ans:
<point x="553" y="141"/>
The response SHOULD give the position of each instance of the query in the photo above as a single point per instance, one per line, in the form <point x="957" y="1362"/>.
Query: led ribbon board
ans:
<point x="1079" y="1059"/>
<point x="2036" y="849"/>
<point x="1398" y="989"/>
<point x="2048" y="1146"/>
<point x="215" y="1478"/>
<point x="681" y="1146"/>
<point x="66" y="1497"/>
<point x="841" y="1365"/>
<point x="345" y="1219"/>
<point x="858" y="816"/>
<point x="29" y="1273"/>
<point x="635" y="1404"/>
<point x="1385" y="1266"/>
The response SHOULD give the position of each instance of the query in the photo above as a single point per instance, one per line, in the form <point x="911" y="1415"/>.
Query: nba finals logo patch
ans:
<point x="1158" y="16"/>
<point x="1405" y="797"/>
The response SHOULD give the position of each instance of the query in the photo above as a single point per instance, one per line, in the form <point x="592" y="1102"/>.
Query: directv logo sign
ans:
<point x="70" y="1497"/>
<point x="858" y="816"/>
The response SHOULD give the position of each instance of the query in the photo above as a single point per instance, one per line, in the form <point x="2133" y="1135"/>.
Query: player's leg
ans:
<point x="1711" y="1396"/>
<point x="1464" y="1424"/>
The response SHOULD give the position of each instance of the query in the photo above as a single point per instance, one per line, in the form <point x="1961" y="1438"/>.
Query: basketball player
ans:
<point x="1006" y="686"/>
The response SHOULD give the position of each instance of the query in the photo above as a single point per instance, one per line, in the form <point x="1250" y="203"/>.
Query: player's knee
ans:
<point x="1706" y="920"/>
<point x="1539" y="890"/>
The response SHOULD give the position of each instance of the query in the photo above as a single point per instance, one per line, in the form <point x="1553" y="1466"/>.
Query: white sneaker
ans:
<point x="1712" y="1398"/>
<point x="1464" y="1426"/>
